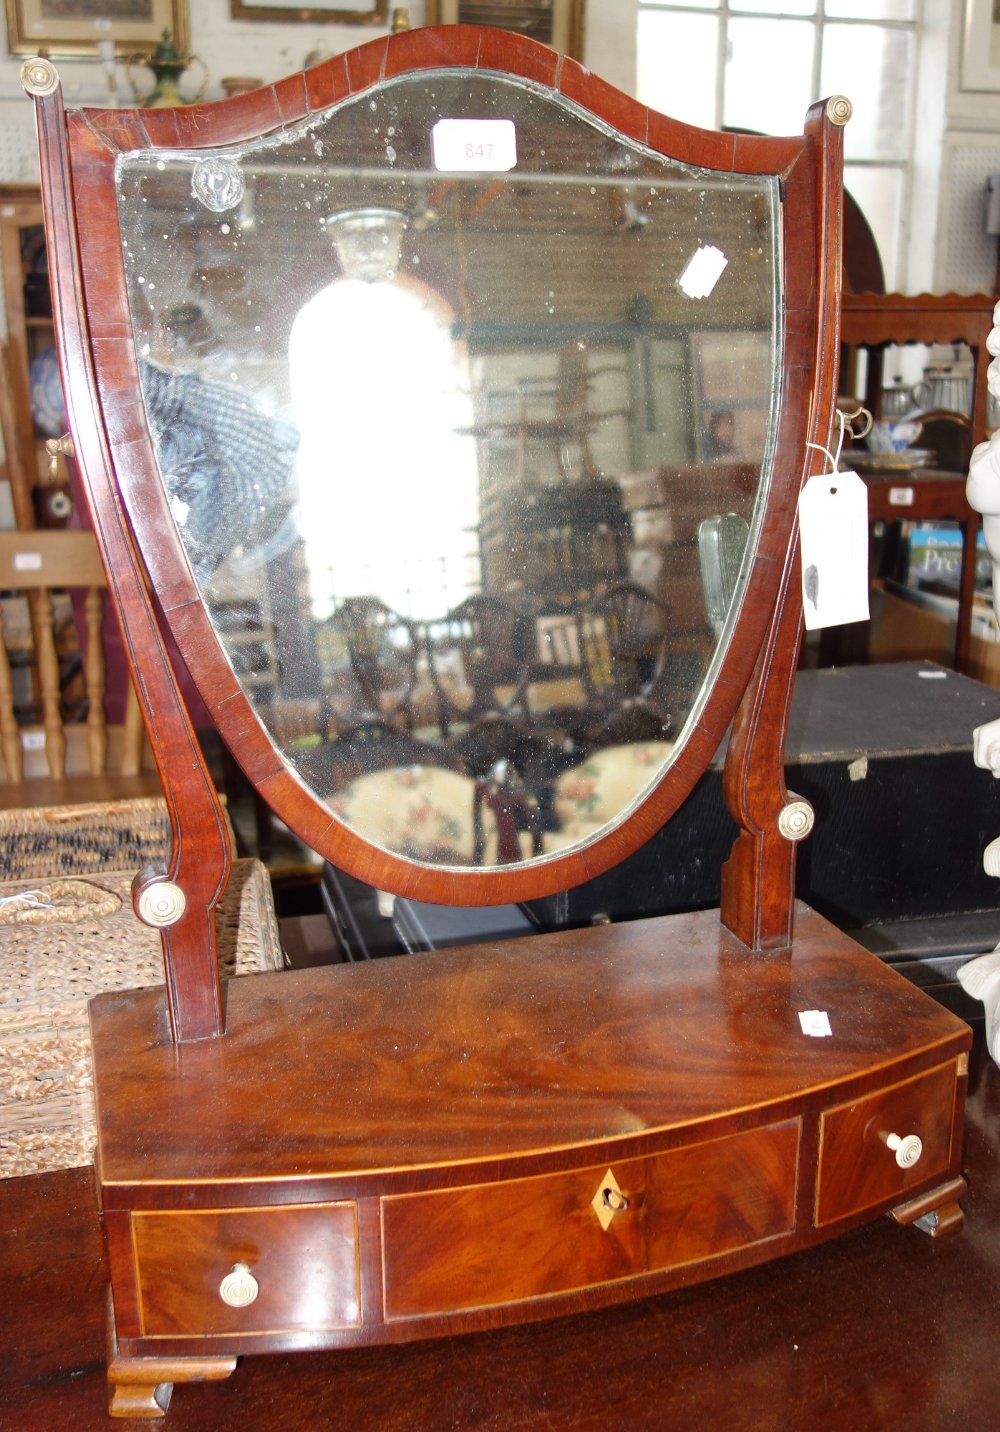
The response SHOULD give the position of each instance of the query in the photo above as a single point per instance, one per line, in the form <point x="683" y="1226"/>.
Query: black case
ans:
<point x="884" y="754"/>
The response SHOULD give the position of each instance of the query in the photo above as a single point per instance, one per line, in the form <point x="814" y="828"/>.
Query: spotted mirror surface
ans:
<point x="465" y="408"/>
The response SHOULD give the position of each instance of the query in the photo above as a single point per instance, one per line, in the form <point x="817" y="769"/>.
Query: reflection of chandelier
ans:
<point x="368" y="242"/>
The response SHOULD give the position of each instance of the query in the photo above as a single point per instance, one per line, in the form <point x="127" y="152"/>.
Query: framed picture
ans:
<point x="72" y="29"/>
<point x="558" y="23"/>
<point x="731" y="380"/>
<point x="333" y="12"/>
<point x="981" y="45"/>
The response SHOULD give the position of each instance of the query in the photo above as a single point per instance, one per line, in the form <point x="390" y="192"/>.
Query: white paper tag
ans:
<point x="815" y="1022"/>
<point x="833" y="522"/>
<point x="27" y="561"/>
<point x="900" y="496"/>
<point x="474" y="145"/>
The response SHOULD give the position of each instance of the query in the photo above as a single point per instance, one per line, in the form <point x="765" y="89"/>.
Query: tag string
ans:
<point x="844" y="425"/>
<point x="34" y="899"/>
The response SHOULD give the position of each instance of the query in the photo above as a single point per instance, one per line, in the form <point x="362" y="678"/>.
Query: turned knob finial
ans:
<point x="839" y="109"/>
<point x="39" y="76"/>
<point x="907" y="1150"/>
<point x="239" y="1288"/>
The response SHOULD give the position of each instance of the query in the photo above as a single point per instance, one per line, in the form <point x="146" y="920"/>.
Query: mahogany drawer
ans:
<point x="490" y="1244"/>
<point x="303" y="1259"/>
<point x="858" y="1168"/>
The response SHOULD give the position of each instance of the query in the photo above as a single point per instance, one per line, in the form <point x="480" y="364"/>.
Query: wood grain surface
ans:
<point x="880" y="1331"/>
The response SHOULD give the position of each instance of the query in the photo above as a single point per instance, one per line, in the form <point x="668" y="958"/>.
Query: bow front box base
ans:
<point x="517" y="1130"/>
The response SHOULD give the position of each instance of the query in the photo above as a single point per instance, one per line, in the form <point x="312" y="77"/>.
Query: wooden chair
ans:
<point x="383" y="649"/>
<point x="77" y="754"/>
<point x="949" y="437"/>
<point x="492" y="642"/>
<point x="623" y="634"/>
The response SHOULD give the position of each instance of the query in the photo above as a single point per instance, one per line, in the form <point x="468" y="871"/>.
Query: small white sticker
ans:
<point x="27" y="561"/>
<point x="833" y="521"/>
<point x="33" y="740"/>
<point x="815" y="1022"/>
<point x="702" y="271"/>
<point x="900" y="496"/>
<point x="474" y="145"/>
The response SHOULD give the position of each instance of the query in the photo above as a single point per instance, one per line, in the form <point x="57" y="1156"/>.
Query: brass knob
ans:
<point x="839" y="109"/>
<point x="39" y="76"/>
<point x="796" y="820"/>
<point x="56" y="448"/>
<point x="160" y="904"/>
<point x="239" y="1288"/>
<point x="907" y="1149"/>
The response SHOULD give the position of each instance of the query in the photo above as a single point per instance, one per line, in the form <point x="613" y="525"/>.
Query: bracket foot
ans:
<point x="141" y="1387"/>
<point x="937" y="1212"/>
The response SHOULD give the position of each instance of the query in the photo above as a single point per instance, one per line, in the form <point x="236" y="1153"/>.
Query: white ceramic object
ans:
<point x="981" y="977"/>
<point x="892" y="437"/>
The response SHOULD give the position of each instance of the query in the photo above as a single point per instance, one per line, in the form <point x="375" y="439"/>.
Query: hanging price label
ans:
<point x="833" y="523"/>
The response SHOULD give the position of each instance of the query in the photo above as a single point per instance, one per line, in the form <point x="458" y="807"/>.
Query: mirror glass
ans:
<point x="465" y="409"/>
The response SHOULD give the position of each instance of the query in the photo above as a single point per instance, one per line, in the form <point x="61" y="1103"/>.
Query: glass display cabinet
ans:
<point x="474" y="398"/>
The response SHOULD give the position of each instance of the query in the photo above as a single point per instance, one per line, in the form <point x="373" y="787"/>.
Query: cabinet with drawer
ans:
<point x="533" y="1237"/>
<point x="882" y="1146"/>
<point x="247" y="1270"/>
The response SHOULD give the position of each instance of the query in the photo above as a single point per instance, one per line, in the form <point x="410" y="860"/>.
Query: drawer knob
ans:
<point x="907" y="1150"/>
<point x="239" y="1287"/>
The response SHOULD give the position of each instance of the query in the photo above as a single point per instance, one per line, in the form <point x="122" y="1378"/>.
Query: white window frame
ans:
<point x="904" y="164"/>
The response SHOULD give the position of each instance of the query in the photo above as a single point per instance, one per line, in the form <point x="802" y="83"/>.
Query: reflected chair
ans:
<point x="383" y="650"/>
<point x="623" y="635"/>
<point x="478" y="660"/>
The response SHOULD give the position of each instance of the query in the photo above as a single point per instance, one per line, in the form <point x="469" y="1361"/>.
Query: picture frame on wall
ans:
<point x="731" y="373"/>
<point x="558" y="23"/>
<point x="73" y="29"/>
<point x="331" y="12"/>
<point x="981" y="46"/>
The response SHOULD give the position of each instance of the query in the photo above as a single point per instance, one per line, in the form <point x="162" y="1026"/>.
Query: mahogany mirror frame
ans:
<point x="142" y="551"/>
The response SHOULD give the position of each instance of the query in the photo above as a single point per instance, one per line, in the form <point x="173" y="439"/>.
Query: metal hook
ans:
<point x="848" y="419"/>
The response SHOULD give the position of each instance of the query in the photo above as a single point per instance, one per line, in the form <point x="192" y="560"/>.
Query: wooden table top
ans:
<point x="566" y="1039"/>
<point x="882" y="1329"/>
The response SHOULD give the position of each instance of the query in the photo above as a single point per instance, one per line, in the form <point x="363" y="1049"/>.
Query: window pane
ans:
<point x="676" y="65"/>
<point x="879" y="192"/>
<point x="775" y="7"/>
<point x="689" y="4"/>
<point x="871" y="9"/>
<point x="769" y="75"/>
<point x="876" y="77"/>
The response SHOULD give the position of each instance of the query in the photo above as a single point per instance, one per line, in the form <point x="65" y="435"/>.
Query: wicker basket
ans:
<point x="47" y="842"/>
<point x="90" y="941"/>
